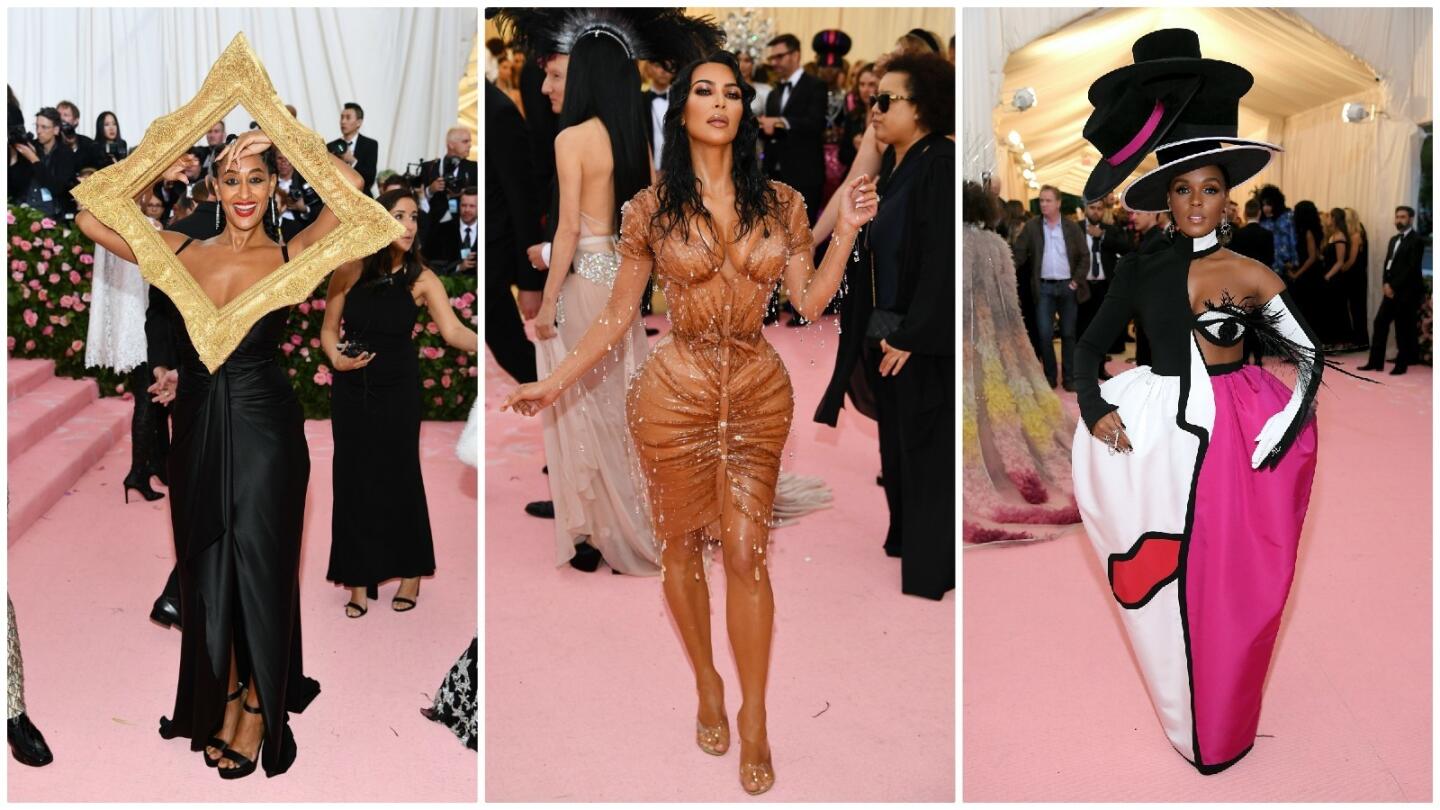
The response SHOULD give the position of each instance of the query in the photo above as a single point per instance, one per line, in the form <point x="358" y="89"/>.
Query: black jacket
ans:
<point x="512" y="201"/>
<point x="796" y="155"/>
<point x="1029" y="249"/>
<point x="467" y="174"/>
<point x="1255" y="242"/>
<point x="926" y="285"/>
<point x="1113" y="244"/>
<point x="541" y="122"/>
<point x="1404" y="255"/>
<point x="367" y="154"/>
<point x="442" y="244"/>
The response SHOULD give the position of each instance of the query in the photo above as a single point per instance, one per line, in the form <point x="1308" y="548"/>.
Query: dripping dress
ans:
<point x="380" y="525"/>
<point x="1199" y="547"/>
<point x="1017" y="434"/>
<point x="710" y="409"/>
<point x="593" y="482"/>
<point x="239" y="466"/>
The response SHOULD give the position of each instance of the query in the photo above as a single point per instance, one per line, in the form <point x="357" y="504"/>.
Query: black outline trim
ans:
<point x="1130" y="555"/>
<point x="1211" y="770"/>
<point x="1312" y="387"/>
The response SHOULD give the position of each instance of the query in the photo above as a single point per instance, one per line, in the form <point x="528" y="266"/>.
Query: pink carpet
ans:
<point x="589" y="696"/>
<point x="1056" y="710"/>
<point x="99" y="674"/>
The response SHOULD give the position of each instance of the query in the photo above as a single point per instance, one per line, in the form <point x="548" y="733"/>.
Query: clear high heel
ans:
<point x="713" y="740"/>
<point x="756" y="777"/>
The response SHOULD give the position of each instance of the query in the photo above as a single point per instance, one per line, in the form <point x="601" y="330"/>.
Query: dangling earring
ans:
<point x="275" y="218"/>
<point x="217" y="217"/>
<point x="1224" y="230"/>
<point x="1170" y="231"/>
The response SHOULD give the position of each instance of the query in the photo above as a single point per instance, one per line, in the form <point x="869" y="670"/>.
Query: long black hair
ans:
<point x="100" y="127"/>
<point x="602" y="82"/>
<point x="376" y="267"/>
<point x="1307" y="220"/>
<point x="678" y="191"/>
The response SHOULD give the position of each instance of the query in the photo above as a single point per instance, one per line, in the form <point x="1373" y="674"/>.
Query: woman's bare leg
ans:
<point x="688" y="595"/>
<point x="750" y="617"/>
<point x="232" y="710"/>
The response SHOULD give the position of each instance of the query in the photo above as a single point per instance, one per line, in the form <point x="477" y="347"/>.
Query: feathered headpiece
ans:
<point x="662" y="35"/>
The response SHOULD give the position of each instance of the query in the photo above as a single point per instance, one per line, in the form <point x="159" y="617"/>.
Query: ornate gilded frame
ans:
<point x="236" y="79"/>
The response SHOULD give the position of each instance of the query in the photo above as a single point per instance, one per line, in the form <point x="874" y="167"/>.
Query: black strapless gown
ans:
<point x="239" y="466"/>
<point x="380" y="526"/>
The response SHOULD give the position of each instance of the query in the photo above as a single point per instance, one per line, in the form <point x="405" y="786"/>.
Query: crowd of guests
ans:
<point x="1063" y="262"/>
<point x="46" y="164"/>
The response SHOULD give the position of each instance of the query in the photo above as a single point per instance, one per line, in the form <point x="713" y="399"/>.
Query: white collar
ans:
<point x="795" y="77"/>
<point x="1205" y="242"/>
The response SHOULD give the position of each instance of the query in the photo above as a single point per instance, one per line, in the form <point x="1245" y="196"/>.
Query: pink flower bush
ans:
<point x="31" y="318"/>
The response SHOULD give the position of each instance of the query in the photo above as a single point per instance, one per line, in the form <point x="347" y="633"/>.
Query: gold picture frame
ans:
<point x="236" y="79"/>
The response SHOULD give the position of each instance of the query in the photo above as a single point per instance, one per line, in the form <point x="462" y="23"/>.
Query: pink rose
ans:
<point x="304" y="325"/>
<point x="15" y="240"/>
<point x="79" y="307"/>
<point x="431" y="352"/>
<point x="69" y="352"/>
<point x="474" y="371"/>
<point x="42" y="295"/>
<point x="25" y="293"/>
<point x="292" y="372"/>
<point x="65" y="267"/>
<point x="47" y="223"/>
<point x="9" y="218"/>
<point x="18" y="276"/>
<point x="85" y="296"/>
<point x="432" y="328"/>
<point x="444" y="381"/>
<point x="29" y="345"/>
<point x="33" y="283"/>
<point x="34" y="227"/>
<point x="428" y="383"/>
<point x="77" y="345"/>
<point x="314" y="343"/>
<point x="25" y="246"/>
<point x="305" y="353"/>
<point x="439" y="400"/>
<point x="120" y="389"/>
<point x="296" y="340"/>
<point x="45" y="254"/>
<point x="54" y="278"/>
<point x="10" y="343"/>
<point x="49" y="243"/>
<point x="461" y="359"/>
<point x="321" y="378"/>
<point x="304" y="308"/>
<point x="319" y="304"/>
<point x="66" y="301"/>
<point x="467" y="314"/>
<point x="30" y="317"/>
<point x="287" y="348"/>
<point x="47" y="331"/>
<point x="86" y="258"/>
<point x="64" y="320"/>
<point x="74" y="277"/>
<point x="416" y="331"/>
<point x="76" y="249"/>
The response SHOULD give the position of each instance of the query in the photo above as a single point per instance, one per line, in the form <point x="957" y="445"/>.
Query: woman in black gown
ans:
<point x="239" y="466"/>
<point x="380" y="525"/>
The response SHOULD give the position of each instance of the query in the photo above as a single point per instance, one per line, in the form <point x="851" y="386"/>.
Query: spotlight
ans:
<point x="1027" y="174"/>
<point x="1023" y="99"/>
<point x="1027" y="160"/>
<point x="1014" y="138"/>
<point x="1355" y="113"/>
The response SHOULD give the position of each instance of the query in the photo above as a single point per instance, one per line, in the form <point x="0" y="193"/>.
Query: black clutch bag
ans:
<point x="883" y="322"/>
<point x="352" y="348"/>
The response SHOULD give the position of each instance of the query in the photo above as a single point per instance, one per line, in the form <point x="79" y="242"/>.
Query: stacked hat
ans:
<point x="830" y="47"/>
<point x="1173" y="102"/>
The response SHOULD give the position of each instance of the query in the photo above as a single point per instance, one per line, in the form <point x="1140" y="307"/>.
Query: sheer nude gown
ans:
<point x="711" y="406"/>
<point x="593" y="482"/>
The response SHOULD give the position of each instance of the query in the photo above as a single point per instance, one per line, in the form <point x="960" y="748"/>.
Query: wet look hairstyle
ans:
<point x="678" y="191"/>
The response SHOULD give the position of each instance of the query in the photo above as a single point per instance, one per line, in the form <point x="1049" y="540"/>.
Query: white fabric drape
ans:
<point x="403" y="66"/>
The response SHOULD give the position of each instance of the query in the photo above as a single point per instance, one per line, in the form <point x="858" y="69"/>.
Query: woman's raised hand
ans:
<point x="248" y="143"/>
<point x="859" y="201"/>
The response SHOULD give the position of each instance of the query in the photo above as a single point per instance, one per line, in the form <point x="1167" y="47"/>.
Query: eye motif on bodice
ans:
<point x="1225" y="324"/>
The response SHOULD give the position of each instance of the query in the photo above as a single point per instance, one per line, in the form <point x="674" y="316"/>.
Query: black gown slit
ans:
<point x="239" y="466"/>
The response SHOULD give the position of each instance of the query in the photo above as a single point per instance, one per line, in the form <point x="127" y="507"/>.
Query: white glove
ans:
<point x="1282" y="428"/>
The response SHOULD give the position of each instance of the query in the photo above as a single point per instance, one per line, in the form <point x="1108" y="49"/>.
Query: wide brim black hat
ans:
<point x="1167" y="97"/>
<point x="1172" y="52"/>
<point x="1240" y="158"/>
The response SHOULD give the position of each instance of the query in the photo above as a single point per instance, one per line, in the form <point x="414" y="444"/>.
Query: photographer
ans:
<point x="360" y="152"/>
<point x="450" y="246"/>
<point x="87" y="154"/>
<point x="18" y="176"/>
<point x="113" y="148"/>
<point x="445" y="177"/>
<point x="214" y="142"/>
<point x="53" y="166"/>
<point x="298" y="200"/>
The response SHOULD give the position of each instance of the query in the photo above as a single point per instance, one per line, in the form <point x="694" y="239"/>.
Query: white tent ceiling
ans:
<point x="1295" y="70"/>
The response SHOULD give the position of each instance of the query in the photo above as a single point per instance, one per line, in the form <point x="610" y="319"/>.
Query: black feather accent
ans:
<point x="1250" y="316"/>
<point x="663" y="35"/>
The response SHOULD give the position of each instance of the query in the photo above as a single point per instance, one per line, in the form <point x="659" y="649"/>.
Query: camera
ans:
<point x="17" y="134"/>
<point x="116" y="149"/>
<point x="67" y="131"/>
<point x="414" y="175"/>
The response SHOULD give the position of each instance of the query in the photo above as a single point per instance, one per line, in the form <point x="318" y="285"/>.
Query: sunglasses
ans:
<point x="882" y="100"/>
<point x="775" y="58"/>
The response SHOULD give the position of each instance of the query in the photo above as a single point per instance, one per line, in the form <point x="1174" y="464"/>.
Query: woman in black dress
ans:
<point x="1335" y="327"/>
<point x="380" y="525"/>
<point x="1305" y="280"/>
<point x="239" y="466"/>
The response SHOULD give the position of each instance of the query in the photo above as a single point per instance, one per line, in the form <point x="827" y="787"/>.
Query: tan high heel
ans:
<point x="759" y="774"/>
<point x="713" y="740"/>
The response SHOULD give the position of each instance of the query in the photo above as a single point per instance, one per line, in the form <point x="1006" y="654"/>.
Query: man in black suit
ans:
<point x="793" y="126"/>
<point x="1404" y="290"/>
<point x="450" y="245"/>
<point x="214" y="144"/>
<point x="1051" y="251"/>
<point x="657" y="100"/>
<point x="446" y="177"/>
<point x="87" y="152"/>
<point x="1254" y="241"/>
<point x="1105" y="243"/>
<point x="542" y="119"/>
<point x="360" y="152"/>
<point x="512" y="224"/>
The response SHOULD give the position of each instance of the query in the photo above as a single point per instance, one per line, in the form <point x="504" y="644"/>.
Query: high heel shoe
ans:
<point x="140" y="482"/>
<point x="713" y="740"/>
<point x="246" y="764"/>
<point x="759" y="774"/>
<point x="398" y="600"/>
<point x="216" y="742"/>
<point x="158" y="470"/>
<point x="27" y="744"/>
